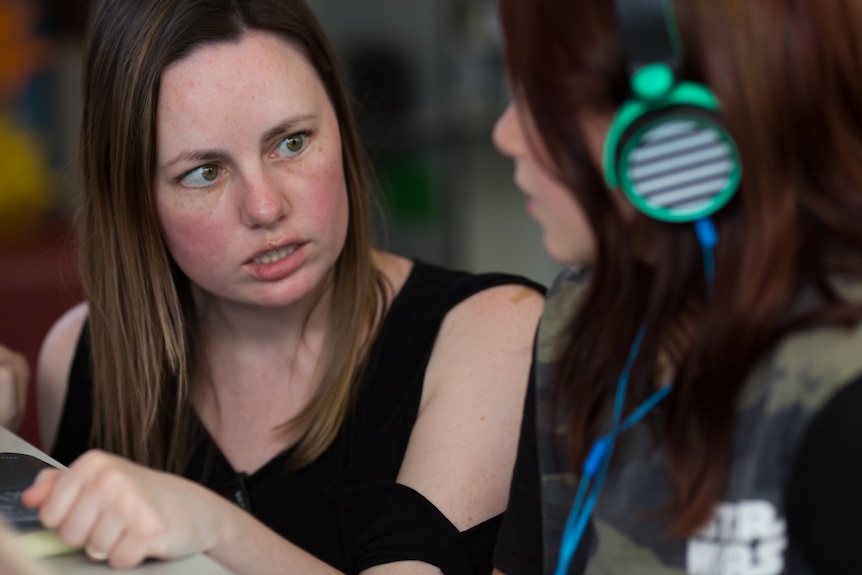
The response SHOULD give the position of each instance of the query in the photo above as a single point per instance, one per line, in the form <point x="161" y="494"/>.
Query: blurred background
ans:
<point x="427" y="77"/>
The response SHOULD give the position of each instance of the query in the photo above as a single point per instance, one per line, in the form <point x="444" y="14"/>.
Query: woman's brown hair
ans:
<point x="786" y="74"/>
<point x="141" y="310"/>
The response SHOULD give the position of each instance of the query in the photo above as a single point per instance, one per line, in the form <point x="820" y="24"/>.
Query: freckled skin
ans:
<point x="229" y="100"/>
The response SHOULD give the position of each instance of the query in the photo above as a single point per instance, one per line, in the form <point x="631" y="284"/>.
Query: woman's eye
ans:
<point x="292" y="145"/>
<point x="200" y="177"/>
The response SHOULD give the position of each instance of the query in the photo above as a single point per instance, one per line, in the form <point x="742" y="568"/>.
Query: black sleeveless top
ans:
<point x="346" y="508"/>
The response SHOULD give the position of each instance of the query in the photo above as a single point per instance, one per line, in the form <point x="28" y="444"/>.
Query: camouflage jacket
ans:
<point x="748" y="533"/>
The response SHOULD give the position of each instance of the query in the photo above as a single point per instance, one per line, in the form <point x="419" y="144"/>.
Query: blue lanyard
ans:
<point x="707" y="237"/>
<point x="595" y="465"/>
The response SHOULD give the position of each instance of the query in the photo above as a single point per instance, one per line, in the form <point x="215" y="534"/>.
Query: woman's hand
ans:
<point x="126" y="513"/>
<point x="14" y="378"/>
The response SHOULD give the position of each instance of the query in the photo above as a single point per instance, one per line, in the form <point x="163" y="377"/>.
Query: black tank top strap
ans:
<point x="73" y="433"/>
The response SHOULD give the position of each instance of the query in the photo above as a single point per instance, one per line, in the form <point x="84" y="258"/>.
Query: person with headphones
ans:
<point x="694" y="399"/>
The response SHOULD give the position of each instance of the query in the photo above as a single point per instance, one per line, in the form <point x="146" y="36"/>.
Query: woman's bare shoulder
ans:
<point x="463" y="446"/>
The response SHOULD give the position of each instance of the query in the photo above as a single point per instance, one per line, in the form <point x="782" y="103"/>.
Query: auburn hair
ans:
<point x="786" y="74"/>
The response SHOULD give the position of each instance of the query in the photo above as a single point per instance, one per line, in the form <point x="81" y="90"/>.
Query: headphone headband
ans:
<point x="649" y="32"/>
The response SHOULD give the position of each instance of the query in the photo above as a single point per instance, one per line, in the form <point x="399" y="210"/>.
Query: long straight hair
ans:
<point x="786" y="73"/>
<point x="141" y="309"/>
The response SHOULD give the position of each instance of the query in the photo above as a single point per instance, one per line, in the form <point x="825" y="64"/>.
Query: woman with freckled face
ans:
<point x="274" y="156"/>
<point x="250" y="377"/>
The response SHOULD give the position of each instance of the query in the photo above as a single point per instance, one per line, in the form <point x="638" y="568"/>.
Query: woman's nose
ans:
<point x="264" y="202"/>
<point x="507" y="135"/>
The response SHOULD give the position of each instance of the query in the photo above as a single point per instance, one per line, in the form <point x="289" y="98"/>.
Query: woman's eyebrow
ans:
<point x="198" y="156"/>
<point x="285" y="127"/>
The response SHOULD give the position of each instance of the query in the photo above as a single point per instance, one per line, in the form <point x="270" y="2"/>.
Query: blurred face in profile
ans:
<point x="567" y="236"/>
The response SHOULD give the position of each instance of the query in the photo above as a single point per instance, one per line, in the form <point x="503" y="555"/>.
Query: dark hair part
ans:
<point x="786" y="74"/>
<point x="141" y="316"/>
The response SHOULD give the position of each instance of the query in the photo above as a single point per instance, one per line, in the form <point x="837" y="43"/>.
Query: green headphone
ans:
<point x="666" y="148"/>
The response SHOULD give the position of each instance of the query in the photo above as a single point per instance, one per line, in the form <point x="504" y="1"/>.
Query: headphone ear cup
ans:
<point x="677" y="163"/>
